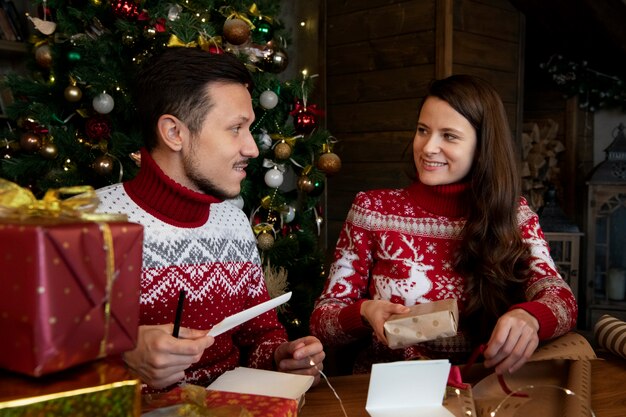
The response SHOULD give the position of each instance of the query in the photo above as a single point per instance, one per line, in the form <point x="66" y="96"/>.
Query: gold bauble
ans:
<point x="282" y="150"/>
<point x="265" y="241"/>
<point x="43" y="56"/>
<point x="305" y="184"/>
<point x="103" y="165"/>
<point x="329" y="163"/>
<point x="236" y="31"/>
<point x="30" y="142"/>
<point x="72" y="93"/>
<point x="49" y="150"/>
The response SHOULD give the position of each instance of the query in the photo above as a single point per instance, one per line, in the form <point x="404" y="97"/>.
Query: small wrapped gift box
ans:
<point x="70" y="289"/>
<point x="429" y="321"/>
<point x="101" y="388"/>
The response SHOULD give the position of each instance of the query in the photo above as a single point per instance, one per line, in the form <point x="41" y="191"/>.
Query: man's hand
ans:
<point x="302" y="356"/>
<point x="377" y="312"/>
<point x="512" y="342"/>
<point x="160" y="359"/>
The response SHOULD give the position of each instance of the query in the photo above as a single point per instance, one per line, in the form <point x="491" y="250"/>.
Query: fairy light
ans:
<point x="313" y="364"/>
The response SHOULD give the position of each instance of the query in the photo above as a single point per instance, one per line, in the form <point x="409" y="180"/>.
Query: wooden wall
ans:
<point x="380" y="56"/>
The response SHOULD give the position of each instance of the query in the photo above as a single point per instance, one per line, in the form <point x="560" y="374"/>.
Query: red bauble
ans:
<point x="304" y="120"/>
<point x="214" y="49"/>
<point x="97" y="128"/>
<point x="125" y="9"/>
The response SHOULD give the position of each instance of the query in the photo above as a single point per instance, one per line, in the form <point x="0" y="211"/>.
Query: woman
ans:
<point x="460" y="231"/>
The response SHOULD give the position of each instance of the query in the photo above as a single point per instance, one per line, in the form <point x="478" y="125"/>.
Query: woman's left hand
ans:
<point x="513" y="340"/>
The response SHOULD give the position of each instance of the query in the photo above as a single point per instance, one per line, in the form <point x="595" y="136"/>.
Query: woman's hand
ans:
<point x="376" y="313"/>
<point x="303" y="356"/>
<point x="513" y="340"/>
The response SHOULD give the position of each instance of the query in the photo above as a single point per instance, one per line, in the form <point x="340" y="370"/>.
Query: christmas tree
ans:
<point x="73" y="118"/>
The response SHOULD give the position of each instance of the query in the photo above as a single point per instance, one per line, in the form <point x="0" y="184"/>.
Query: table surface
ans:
<point x="608" y="393"/>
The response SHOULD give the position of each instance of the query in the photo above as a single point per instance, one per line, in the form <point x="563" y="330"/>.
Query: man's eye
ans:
<point x="236" y="129"/>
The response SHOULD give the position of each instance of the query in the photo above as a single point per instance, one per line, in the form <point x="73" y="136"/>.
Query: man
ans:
<point x="196" y="111"/>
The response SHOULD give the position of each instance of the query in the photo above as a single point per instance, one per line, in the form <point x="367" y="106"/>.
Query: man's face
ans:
<point x="214" y="161"/>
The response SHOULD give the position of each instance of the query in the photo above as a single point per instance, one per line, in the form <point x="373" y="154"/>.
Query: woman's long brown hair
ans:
<point x="492" y="250"/>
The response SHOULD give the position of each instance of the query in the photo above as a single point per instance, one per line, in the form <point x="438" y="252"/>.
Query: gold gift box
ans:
<point x="98" y="389"/>
<point x="424" y="322"/>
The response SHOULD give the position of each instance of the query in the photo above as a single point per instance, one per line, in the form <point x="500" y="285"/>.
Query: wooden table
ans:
<point x="608" y="393"/>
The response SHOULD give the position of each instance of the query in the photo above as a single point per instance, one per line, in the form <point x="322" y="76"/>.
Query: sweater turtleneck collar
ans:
<point x="166" y="199"/>
<point x="450" y="200"/>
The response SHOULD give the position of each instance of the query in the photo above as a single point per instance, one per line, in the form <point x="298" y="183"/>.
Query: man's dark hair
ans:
<point x="175" y="82"/>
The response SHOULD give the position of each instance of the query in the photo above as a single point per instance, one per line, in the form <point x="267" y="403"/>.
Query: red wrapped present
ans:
<point x="193" y="400"/>
<point x="101" y="388"/>
<point x="70" y="287"/>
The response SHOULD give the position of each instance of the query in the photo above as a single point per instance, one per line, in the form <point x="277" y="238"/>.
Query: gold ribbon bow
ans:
<point x="17" y="203"/>
<point x="262" y="228"/>
<point x="175" y="41"/>
<point x="254" y="11"/>
<point x="231" y="13"/>
<point x="291" y="140"/>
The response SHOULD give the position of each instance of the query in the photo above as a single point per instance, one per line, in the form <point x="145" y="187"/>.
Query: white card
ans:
<point x="261" y="382"/>
<point x="250" y="313"/>
<point x="408" y="388"/>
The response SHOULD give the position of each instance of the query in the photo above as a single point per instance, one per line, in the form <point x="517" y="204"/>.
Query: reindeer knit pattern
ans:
<point x="196" y="243"/>
<point x="399" y="245"/>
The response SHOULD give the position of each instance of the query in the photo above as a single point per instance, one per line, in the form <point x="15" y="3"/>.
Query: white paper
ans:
<point x="261" y="382"/>
<point x="243" y="316"/>
<point x="408" y="388"/>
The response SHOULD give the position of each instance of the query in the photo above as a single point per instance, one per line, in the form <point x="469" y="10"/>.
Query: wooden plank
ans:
<point x="485" y="52"/>
<point x="399" y="51"/>
<point x="388" y="84"/>
<point x="343" y="187"/>
<point x="487" y="20"/>
<point x="393" y="20"/>
<point x="379" y="116"/>
<point x="504" y="82"/>
<point x="502" y="4"/>
<point x="336" y="7"/>
<point x="443" y="39"/>
<point x="375" y="147"/>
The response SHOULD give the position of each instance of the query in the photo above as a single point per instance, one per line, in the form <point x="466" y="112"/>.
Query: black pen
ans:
<point x="179" y="312"/>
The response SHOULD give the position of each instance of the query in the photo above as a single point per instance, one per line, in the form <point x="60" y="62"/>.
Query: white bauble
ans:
<point x="268" y="99"/>
<point x="289" y="214"/>
<point x="273" y="178"/>
<point x="103" y="103"/>
<point x="265" y="141"/>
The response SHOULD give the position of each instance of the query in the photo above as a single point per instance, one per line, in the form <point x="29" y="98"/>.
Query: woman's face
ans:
<point x="444" y="144"/>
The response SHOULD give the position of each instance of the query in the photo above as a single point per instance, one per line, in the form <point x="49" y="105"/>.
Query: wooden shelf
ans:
<point x="13" y="47"/>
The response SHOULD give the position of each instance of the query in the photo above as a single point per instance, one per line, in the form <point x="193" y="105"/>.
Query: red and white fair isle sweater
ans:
<point x="196" y="243"/>
<point x="399" y="245"/>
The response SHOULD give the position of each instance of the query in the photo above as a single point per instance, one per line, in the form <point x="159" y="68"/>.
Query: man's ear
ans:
<point x="172" y="131"/>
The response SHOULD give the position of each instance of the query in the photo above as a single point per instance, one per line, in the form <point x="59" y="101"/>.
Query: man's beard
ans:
<point x="203" y="184"/>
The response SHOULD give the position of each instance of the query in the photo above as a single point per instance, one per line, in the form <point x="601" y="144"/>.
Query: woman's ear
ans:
<point x="171" y="131"/>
